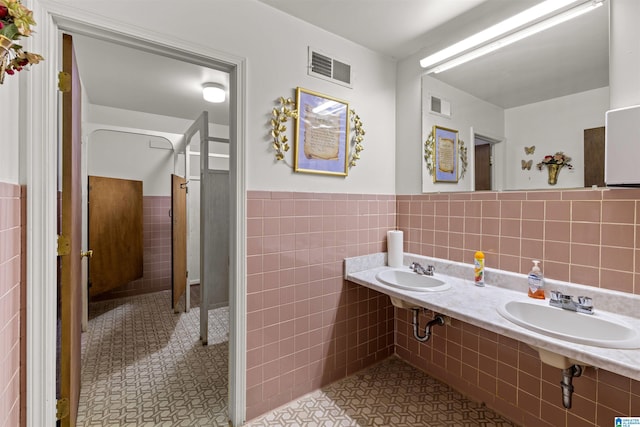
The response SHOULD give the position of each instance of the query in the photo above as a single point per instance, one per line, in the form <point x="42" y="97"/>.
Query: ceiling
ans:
<point x="569" y="58"/>
<point x="123" y="77"/>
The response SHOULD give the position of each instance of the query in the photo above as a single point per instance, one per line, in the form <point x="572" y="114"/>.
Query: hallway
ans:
<point x="143" y="365"/>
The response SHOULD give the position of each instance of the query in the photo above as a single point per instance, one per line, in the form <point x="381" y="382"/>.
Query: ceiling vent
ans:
<point x="439" y="106"/>
<point x="325" y="67"/>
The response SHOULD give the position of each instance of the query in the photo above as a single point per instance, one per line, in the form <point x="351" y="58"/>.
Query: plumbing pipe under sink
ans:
<point x="438" y="319"/>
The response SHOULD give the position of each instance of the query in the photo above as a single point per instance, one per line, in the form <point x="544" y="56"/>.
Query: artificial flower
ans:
<point x="557" y="159"/>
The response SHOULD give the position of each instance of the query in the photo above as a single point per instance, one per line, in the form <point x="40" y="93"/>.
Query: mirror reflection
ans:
<point x="540" y="96"/>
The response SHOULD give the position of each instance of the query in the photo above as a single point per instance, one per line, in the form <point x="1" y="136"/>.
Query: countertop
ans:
<point x="478" y="306"/>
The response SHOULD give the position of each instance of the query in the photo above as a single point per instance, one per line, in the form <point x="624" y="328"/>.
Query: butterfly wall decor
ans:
<point x="526" y="165"/>
<point x="530" y="150"/>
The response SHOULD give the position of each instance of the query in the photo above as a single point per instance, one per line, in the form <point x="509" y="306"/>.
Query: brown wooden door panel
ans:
<point x="483" y="167"/>
<point x="594" y="157"/>
<point x="178" y="237"/>
<point x="71" y="228"/>
<point x="115" y="233"/>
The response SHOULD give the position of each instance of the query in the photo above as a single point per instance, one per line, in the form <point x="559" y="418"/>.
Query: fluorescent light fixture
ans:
<point x="213" y="92"/>
<point x="517" y="21"/>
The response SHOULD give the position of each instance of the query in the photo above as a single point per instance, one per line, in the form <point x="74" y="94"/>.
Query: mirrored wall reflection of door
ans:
<point x="483" y="167"/>
<point x="115" y="233"/>
<point x="594" y="157"/>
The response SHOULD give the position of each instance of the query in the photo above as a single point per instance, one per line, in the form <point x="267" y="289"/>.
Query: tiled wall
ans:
<point x="588" y="237"/>
<point x="306" y="326"/>
<point x="10" y="303"/>
<point x="157" y="250"/>
<point x="582" y="236"/>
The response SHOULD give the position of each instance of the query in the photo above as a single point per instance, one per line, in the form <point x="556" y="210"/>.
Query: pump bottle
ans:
<point x="535" y="281"/>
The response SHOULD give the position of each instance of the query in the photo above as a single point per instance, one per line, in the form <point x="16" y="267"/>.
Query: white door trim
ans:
<point x="38" y="153"/>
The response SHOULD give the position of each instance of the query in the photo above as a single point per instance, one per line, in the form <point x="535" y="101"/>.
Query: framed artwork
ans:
<point x="321" y="135"/>
<point x="445" y="154"/>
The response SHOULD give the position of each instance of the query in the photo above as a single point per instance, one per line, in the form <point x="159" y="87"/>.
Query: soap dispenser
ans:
<point x="535" y="280"/>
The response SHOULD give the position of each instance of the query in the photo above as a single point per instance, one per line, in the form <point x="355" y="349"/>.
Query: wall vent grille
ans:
<point x="439" y="106"/>
<point x="325" y="67"/>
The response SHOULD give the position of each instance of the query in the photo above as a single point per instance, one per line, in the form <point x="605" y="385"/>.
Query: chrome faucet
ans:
<point x="416" y="267"/>
<point x="566" y="302"/>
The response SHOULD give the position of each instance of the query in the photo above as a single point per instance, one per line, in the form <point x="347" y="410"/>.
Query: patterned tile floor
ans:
<point x="143" y="365"/>
<point x="391" y="393"/>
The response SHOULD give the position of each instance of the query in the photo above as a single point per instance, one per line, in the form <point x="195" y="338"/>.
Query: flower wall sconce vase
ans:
<point x="553" y="170"/>
<point x="554" y="164"/>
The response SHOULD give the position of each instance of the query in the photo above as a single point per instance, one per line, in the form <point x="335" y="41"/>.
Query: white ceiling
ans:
<point x="572" y="57"/>
<point x="124" y="77"/>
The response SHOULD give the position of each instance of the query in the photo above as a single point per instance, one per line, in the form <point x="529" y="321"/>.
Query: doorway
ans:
<point x="594" y="157"/>
<point x="41" y="122"/>
<point x="483" y="167"/>
<point x="126" y="150"/>
<point x="484" y="172"/>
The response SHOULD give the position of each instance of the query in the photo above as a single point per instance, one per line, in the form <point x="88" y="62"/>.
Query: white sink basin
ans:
<point x="410" y="281"/>
<point x="589" y="329"/>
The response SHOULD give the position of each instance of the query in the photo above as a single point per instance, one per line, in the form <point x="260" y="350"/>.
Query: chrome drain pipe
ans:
<point x="437" y="320"/>
<point x="567" y="383"/>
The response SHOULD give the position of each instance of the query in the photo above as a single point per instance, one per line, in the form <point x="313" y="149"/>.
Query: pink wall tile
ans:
<point x="327" y="328"/>
<point x="569" y="244"/>
<point x="617" y="258"/>
<point x="586" y="255"/>
<point x="511" y="209"/>
<point x="618" y="235"/>
<point x="532" y="229"/>
<point x="557" y="211"/>
<point x="490" y="209"/>
<point x="533" y="210"/>
<point x="309" y="326"/>
<point x="12" y="374"/>
<point x="584" y="232"/>
<point x="618" y="211"/>
<point x="510" y="227"/>
<point x="557" y="251"/>
<point x="588" y="211"/>
<point x="557" y="230"/>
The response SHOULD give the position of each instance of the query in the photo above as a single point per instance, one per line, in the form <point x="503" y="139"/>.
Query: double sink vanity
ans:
<point x="607" y="338"/>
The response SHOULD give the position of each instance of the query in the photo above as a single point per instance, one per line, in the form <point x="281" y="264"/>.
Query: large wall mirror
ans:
<point x="544" y="94"/>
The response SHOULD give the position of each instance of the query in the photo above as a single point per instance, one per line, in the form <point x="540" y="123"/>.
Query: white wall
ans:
<point x="9" y="135"/>
<point x="554" y="125"/>
<point x="409" y="149"/>
<point x="99" y="114"/>
<point x="129" y="156"/>
<point x="467" y="112"/>
<point x="275" y="46"/>
<point x="624" y="53"/>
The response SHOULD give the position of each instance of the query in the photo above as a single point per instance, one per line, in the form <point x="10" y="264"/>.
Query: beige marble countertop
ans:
<point x="478" y="306"/>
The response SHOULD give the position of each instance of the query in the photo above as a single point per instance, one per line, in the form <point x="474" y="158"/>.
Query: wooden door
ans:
<point x="115" y="233"/>
<point x="483" y="167"/>
<point x="594" y="157"/>
<point x="70" y="296"/>
<point x="178" y="238"/>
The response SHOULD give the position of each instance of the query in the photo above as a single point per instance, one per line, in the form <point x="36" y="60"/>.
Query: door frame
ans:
<point x="39" y="131"/>
<point x="497" y="154"/>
